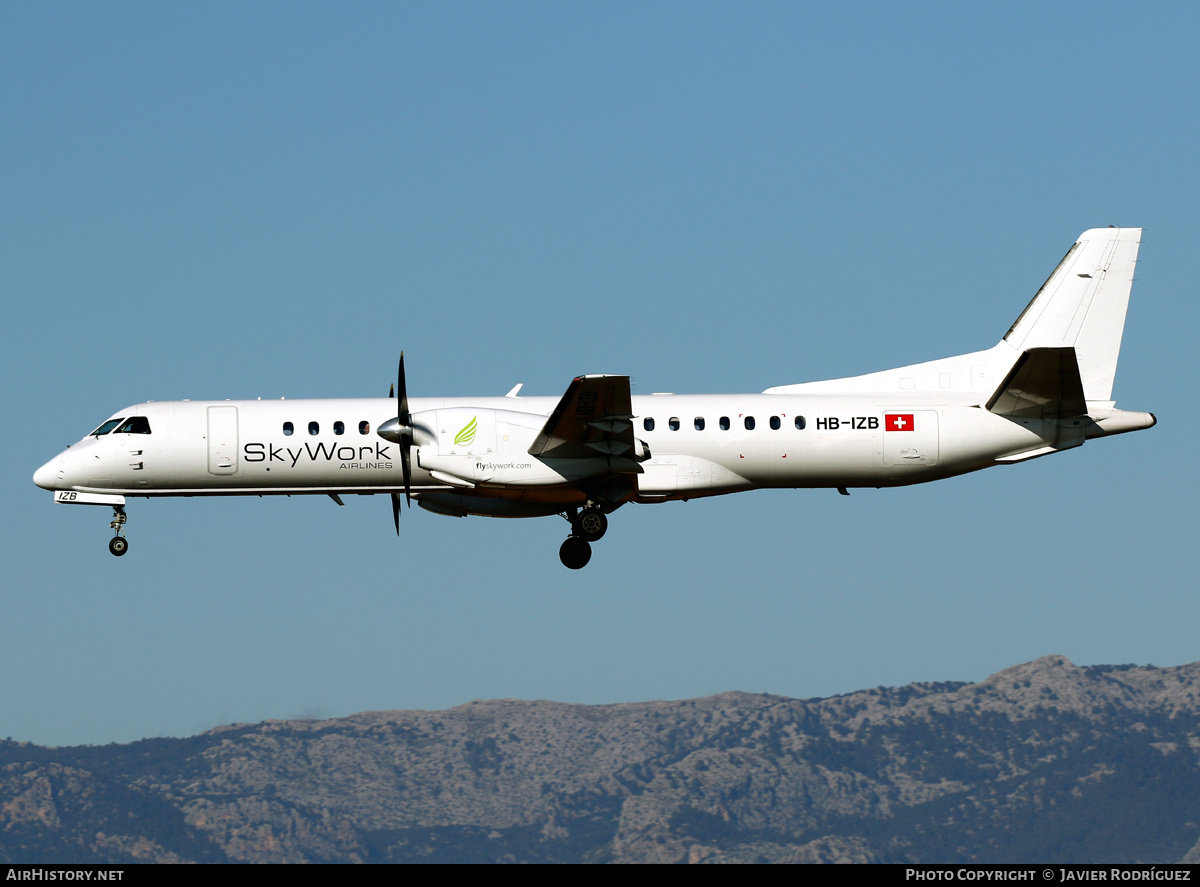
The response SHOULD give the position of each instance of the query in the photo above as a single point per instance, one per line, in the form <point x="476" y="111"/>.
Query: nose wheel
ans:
<point x="118" y="544"/>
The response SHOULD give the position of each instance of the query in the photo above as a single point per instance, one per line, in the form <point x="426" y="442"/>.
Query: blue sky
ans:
<point x="272" y="199"/>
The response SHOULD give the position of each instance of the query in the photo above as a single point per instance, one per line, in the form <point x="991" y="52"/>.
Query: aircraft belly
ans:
<point x="671" y="473"/>
<point x="513" y="505"/>
<point x="816" y="459"/>
<point x="837" y="459"/>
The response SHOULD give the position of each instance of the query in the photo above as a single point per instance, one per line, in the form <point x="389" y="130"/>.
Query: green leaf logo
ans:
<point x="464" y="437"/>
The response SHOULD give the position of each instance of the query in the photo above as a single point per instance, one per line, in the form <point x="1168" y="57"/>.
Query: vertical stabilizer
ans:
<point x="1082" y="306"/>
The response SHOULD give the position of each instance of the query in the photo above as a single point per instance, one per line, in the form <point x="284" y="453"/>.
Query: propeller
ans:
<point x="399" y="431"/>
<point x="407" y="435"/>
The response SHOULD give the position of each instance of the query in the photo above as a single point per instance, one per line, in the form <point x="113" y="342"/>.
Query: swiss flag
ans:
<point x="899" y="422"/>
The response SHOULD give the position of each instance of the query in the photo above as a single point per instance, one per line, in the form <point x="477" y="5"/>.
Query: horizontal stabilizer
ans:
<point x="1044" y="383"/>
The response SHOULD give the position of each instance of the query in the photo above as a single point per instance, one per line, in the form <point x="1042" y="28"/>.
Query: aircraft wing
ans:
<point x="595" y="416"/>
<point x="1044" y="384"/>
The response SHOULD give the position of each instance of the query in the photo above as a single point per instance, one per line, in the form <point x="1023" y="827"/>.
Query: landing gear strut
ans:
<point x="118" y="544"/>
<point x="587" y="525"/>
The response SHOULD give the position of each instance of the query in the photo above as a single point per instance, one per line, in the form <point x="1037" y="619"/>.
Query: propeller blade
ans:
<point x="403" y="393"/>
<point x="396" y="512"/>
<point x="404" y="467"/>
<point x="405" y="419"/>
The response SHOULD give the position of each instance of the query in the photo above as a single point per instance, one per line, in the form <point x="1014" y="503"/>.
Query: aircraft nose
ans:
<point x="45" y="476"/>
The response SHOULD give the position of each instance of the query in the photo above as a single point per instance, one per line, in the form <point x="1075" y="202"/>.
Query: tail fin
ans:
<point x="1082" y="306"/>
<point x="1057" y="361"/>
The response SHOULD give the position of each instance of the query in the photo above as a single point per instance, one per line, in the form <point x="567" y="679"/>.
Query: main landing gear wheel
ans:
<point x="118" y="545"/>
<point x="575" y="553"/>
<point x="591" y="524"/>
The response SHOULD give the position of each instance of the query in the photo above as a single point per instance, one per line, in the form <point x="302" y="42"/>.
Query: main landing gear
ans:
<point x="575" y="553"/>
<point x="118" y="544"/>
<point x="588" y="525"/>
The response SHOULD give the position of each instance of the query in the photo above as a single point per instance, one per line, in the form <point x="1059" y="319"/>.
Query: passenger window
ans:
<point x="775" y="423"/>
<point x="364" y="427"/>
<point x="799" y="423"/>
<point x="699" y="423"/>
<point x="724" y="423"/>
<point x="287" y="429"/>
<point x="135" y="425"/>
<point x="749" y="423"/>
<point x="674" y="423"/>
<point x="339" y="427"/>
<point x="314" y="428"/>
<point x="648" y="424"/>
<point x="105" y="428"/>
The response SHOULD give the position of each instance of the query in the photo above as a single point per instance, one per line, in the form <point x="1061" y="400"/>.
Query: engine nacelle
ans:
<point x="480" y="447"/>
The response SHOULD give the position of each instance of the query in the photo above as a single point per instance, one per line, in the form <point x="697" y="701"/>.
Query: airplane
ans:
<point x="1045" y="387"/>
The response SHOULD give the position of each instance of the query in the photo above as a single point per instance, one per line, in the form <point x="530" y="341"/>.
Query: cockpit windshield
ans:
<point x="106" y="427"/>
<point x="135" y="425"/>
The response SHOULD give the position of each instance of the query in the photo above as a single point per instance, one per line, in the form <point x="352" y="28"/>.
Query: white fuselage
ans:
<point x="699" y="445"/>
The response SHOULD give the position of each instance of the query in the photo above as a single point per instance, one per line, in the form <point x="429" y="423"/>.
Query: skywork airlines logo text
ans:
<point x="374" y="456"/>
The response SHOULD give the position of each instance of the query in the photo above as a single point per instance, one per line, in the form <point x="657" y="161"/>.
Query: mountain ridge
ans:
<point x="1041" y="761"/>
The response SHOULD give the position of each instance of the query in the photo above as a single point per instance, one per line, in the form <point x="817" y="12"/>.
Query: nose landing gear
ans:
<point x="118" y="545"/>
<point x="588" y="525"/>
